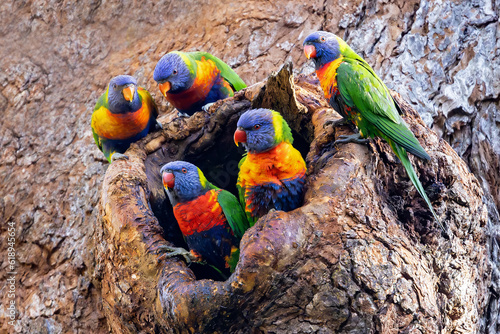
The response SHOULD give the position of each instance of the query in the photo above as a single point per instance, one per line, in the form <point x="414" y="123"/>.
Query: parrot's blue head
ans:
<point x="323" y="47"/>
<point x="183" y="181"/>
<point x="122" y="94"/>
<point x="174" y="73"/>
<point x="260" y="130"/>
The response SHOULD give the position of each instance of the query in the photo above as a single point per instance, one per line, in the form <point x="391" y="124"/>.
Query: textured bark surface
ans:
<point x="58" y="56"/>
<point x="362" y="255"/>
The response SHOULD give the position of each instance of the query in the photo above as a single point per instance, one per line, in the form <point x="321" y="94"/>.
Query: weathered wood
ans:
<point x="362" y="254"/>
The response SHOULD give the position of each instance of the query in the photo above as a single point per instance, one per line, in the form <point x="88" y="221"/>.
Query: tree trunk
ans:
<point x="57" y="58"/>
<point x="362" y="254"/>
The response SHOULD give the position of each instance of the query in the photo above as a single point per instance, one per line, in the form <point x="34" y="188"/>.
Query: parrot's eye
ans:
<point x="322" y="39"/>
<point x="174" y="72"/>
<point x="184" y="170"/>
<point x="114" y="86"/>
<point x="256" y="126"/>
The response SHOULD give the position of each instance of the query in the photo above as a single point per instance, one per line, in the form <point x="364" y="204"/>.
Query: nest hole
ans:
<point x="212" y="149"/>
<point x="219" y="162"/>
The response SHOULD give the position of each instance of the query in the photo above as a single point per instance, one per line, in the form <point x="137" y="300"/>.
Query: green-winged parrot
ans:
<point x="124" y="114"/>
<point x="359" y="96"/>
<point x="272" y="173"/>
<point x="192" y="80"/>
<point x="211" y="219"/>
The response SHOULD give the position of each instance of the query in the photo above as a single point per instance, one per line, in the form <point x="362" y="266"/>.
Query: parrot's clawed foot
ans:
<point x="118" y="156"/>
<point x="335" y="123"/>
<point x="207" y="106"/>
<point x="168" y="252"/>
<point x="158" y="125"/>
<point x="183" y="114"/>
<point x="354" y="138"/>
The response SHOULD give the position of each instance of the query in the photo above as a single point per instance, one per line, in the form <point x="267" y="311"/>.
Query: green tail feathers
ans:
<point x="403" y="156"/>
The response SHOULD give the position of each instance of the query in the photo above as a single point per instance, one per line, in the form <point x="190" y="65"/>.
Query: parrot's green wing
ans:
<point x="97" y="140"/>
<point x="235" y="215"/>
<point x="225" y="71"/>
<point x="241" y="194"/>
<point x="101" y="103"/>
<point x="360" y="88"/>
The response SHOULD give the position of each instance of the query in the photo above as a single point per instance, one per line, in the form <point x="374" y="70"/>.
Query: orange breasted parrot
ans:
<point x="191" y="80"/>
<point x="124" y="114"/>
<point x="211" y="219"/>
<point x="272" y="173"/>
<point x="359" y="96"/>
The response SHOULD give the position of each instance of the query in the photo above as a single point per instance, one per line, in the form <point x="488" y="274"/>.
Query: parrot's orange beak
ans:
<point x="168" y="180"/>
<point x="128" y="93"/>
<point x="164" y="88"/>
<point x="310" y="51"/>
<point x="240" y="136"/>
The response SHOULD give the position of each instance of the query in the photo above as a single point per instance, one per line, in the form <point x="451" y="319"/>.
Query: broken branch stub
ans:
<point x="361" y="255"/>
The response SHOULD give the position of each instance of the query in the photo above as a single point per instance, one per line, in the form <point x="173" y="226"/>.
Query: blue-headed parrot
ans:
<point x="192" y="80"/>
<point x="124" y="114"/>
<point x="360" y="97"/>
<point x="211" y="219"/>
<point x="272" y="173"/>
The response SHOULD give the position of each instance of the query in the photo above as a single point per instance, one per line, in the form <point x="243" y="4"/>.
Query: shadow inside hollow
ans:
<point x="219" y="163"/>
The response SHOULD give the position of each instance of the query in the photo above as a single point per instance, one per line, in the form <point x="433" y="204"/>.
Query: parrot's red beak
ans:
<point x="164" y="88"/>
<point x="240" y="136"/>
<point x="310" y="51"/>
<point x="168" y="180"/>
<point x="128" y="93"/>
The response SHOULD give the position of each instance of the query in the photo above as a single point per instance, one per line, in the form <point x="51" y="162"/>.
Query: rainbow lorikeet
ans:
<point x="360" y="97"/>
<point x="191" y="80"/>
<point x="272" y="173"/>
<point x="211" y="219"/>
<point x="124" y="114"/>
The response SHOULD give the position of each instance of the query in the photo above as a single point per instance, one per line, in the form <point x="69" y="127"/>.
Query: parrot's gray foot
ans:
<point x="354" y="138"/>
<point x="183" y="114"/>
<point x="118" y="156"/>
<point x="335" y="123"/>
<point x="167" y="252"/>
<point x="158" y="125"/>
<point x="207" y="106"/>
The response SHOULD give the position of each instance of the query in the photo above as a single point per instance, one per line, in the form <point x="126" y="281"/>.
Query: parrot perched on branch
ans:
<point x="272" y="173"/>
<point x="193" y="80"/>
<point x="124" y="114"/>
<point x="211" y="219"/>
<point x="360" y="97"/>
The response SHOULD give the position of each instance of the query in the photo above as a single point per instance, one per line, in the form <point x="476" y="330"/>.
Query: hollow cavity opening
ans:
<point x="219" y="163"/>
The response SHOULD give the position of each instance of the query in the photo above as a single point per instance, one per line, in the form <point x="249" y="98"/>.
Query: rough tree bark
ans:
<point x="362" y="254"/>
<point x="57" y="57"/>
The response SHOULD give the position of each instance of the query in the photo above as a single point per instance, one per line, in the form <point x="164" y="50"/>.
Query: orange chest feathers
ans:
<point x="280" y="163"/>
<point x="122" y="126"/>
